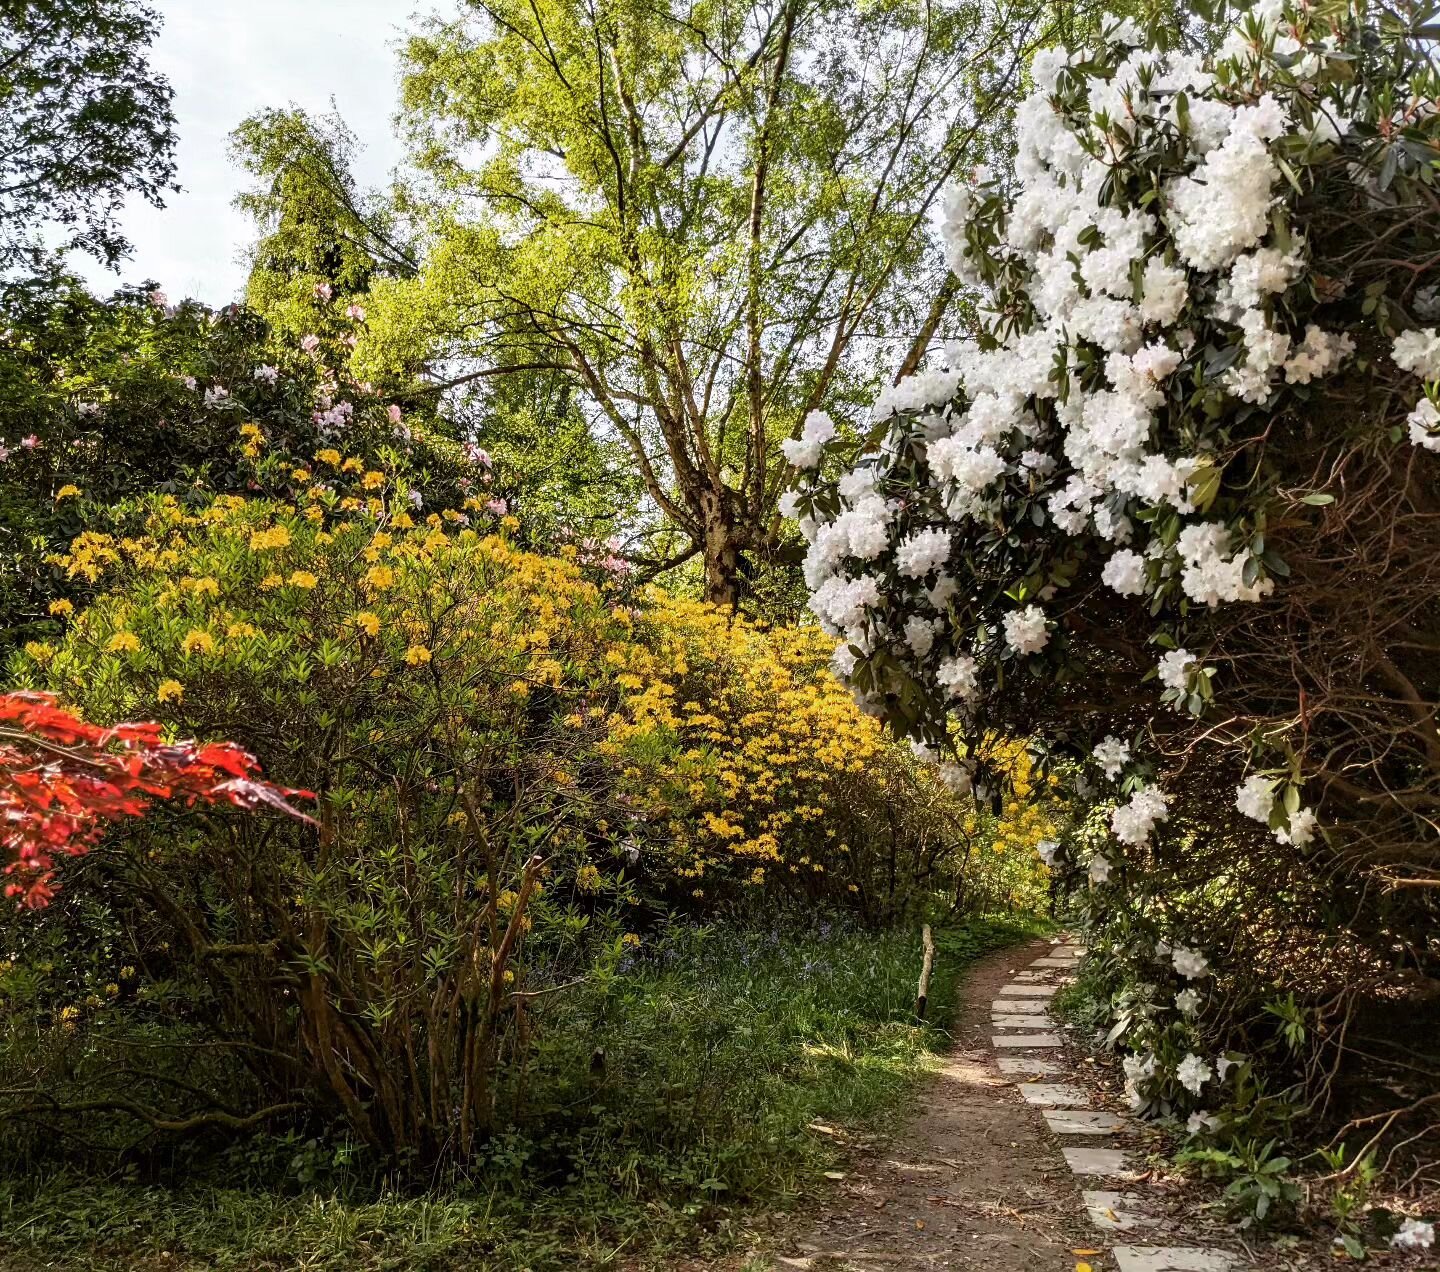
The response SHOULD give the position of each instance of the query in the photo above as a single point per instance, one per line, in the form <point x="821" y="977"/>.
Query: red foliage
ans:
<point x="62" y="780"/>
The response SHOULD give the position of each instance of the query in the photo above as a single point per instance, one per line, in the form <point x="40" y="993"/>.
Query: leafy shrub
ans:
<point x="751" y="766"/>
<point x="443" y="696"/>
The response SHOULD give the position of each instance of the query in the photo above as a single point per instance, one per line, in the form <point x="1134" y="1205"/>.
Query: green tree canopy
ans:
<point x="711" y="219"/>
<point x="84" y="121"/>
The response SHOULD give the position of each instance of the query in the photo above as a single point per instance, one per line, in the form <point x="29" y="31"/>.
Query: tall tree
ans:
<point x="318" y="227"/>
<point x="708" y="216"/>
<point x="84" y="122"/>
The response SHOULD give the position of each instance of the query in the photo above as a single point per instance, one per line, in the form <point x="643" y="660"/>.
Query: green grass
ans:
<point x="721" y="1045"/>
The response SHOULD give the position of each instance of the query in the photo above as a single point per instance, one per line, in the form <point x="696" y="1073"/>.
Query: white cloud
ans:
<point x="227" y="59"/>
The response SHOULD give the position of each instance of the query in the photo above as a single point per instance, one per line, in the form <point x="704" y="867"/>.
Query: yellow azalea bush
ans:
<point x="512" y="770"/>
<point x="443" y="692"/>
<point x="749" y="764"/>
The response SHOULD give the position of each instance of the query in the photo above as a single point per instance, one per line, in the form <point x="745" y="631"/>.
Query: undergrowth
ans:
<point x="666" y="1106"/>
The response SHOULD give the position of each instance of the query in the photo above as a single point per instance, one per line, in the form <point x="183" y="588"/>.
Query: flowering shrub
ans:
<point x="105" y="400"/>
<point x="1172" y="514"/>
<point x="442" y="692"/>
<point x="748" y="765"/>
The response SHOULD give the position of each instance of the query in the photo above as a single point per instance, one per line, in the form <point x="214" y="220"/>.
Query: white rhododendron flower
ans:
<point x="1191" y="964"/>
<point x="1111" y="755"/>
<point x="1187" y="1001"/>
<point x="1414" y="1234"/>
<point x="1125" y="572"/>
<point x="1175" y="669"/>
<point x="1133" y="822"/>
<point x="804" y="451"/>
<point x="1301" y="830"/>
<point x="1424" y="423"/>
<point x="1100" y="868"/>
<point x="1025" y="630"/>
<point x="1418" y="352"/>
<point x="922" y="553"/>
<point x="1194" y="1073"/>
<point x="957" y="777"/>
<point x="1048" y="850"/>
<point x="1255" y="797"/>
<point x="957" y="674"/>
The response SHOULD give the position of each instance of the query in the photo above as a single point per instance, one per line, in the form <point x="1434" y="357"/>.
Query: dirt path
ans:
<point x="972" y="1181"/>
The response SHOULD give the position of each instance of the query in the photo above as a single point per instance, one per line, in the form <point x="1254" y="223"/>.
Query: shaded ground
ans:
<point x="971" y="1181"/>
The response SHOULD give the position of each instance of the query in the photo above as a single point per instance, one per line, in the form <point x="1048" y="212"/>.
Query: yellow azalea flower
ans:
<point x="123" y="642"/>
<point x="61" y="607"/>
<point x="416" y="655"/>
<point x="39" y="650"/>
<point x="380" y="577"/>
<point x="372" y="479"/>
<point x="510" y="523"/>
<point x="303" y="578"/>
<point x="630" y="940"/>
<point x="331" y="457"/>
<point x="300" y="474"/>
<point x="368" y="623"/>
<point x="352" y="465"/>
<point x="587" y="878"/>
<point x="271" y="581"/>
<point x="314" y="514"/>
<point x="275" y="537"/>
<point x="402" y="521"/>
<point x="67" y="492"/>
<point x="170" y="691"/>
<point x="198" y="641"/>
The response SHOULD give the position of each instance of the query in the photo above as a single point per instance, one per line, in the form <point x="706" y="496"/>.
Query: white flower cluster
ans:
<point x="1147" y="296"/>
<point x="1419" y="352"/>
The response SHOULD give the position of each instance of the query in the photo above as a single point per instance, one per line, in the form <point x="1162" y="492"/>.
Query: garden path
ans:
<point x="970" y="1182"/>
<point x="1012" y="1162"/>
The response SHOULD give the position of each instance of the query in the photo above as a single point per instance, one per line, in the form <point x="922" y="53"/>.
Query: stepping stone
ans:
<point x="1055" y="1094"/>
<point x="1019" y="1066"/>
<point x="1116" y="1211"/>
<point x="1029" y="991"/>
<point x="1025" y="1040"/>
<point x="1112" y="1163"/>
<point x="1028" y="977"/>
<point x="1054" y="962"/>
<point x="1173" y="1259"/>
<point x="1082" y="1122"/>
<point x="1038" y="1021"/>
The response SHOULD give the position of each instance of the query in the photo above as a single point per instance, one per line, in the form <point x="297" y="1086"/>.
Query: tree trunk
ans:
<point x="722" y="554"/>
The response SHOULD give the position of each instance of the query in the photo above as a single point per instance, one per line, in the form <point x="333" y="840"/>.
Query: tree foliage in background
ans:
<point x="84" y="122"/>
<point x="693" y="214"/>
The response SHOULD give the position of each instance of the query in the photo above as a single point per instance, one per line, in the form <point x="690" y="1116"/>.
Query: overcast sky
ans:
<point x="226" y="59"/>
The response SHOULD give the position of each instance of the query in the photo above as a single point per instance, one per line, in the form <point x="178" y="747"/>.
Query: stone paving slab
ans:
<point x="1174" y="1259"/>
<point x="1009" y="1021"/>
<point x="1029" y="977"/>
<point x="1025" y="1040"/>
<point x="1020" y="1066"/>
<point x="1111" y="1163"/>
<point x="1055" y="1094"/>
<point x="1115" y="1211"/>
<point x="1083" y="1122"/>
<point x="1053" y="962"/>
<point x="1029" y="991"/>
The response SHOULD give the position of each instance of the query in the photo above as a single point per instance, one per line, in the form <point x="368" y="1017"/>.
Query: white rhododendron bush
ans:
<point x="1174" y="514"/>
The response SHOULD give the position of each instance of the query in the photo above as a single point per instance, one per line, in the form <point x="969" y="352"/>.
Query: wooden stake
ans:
<point x="922" y="994"/>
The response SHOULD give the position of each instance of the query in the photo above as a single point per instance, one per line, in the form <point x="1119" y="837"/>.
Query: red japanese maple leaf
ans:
<point x="63" y="780"/>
